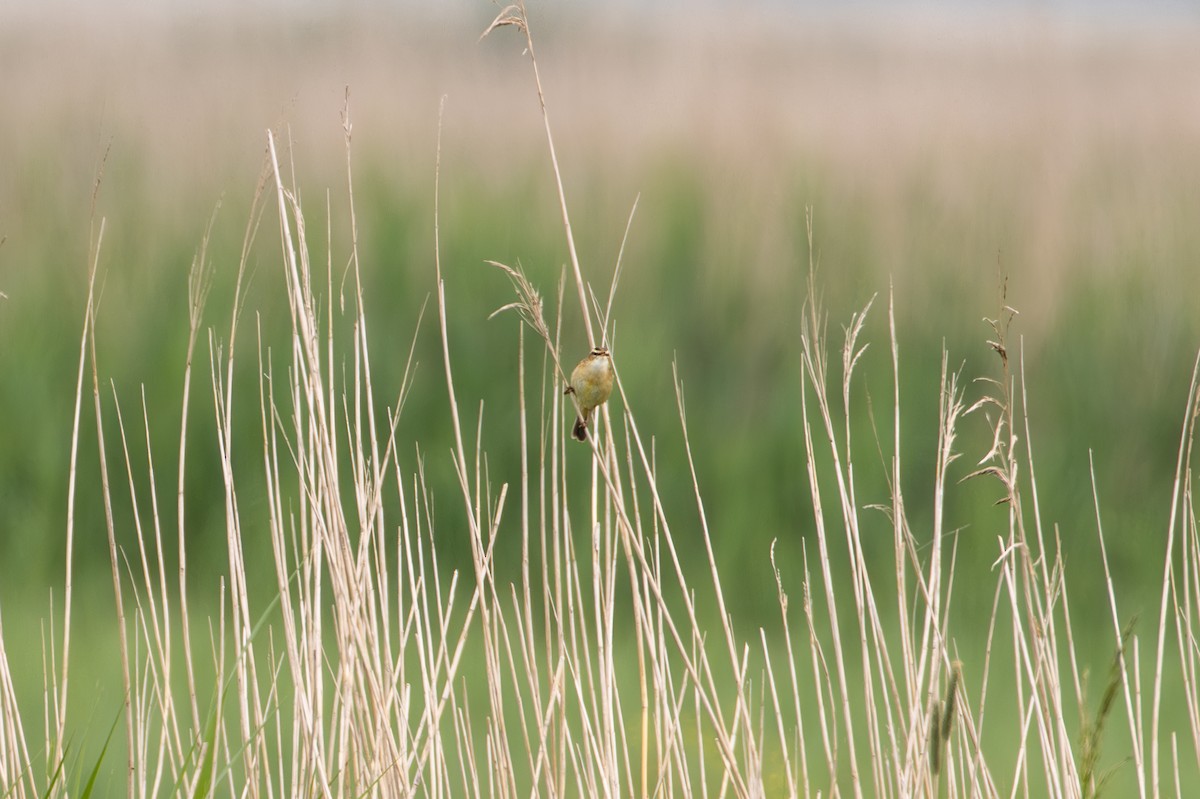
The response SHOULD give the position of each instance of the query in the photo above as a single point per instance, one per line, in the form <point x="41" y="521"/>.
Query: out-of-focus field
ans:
<point x="935" y="157"/>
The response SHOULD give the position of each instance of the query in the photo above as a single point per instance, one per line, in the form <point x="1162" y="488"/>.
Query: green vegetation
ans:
<point x="554" y="633"/>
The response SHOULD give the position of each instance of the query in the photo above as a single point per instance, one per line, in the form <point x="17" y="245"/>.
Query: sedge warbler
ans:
<point x="591" y="383"/>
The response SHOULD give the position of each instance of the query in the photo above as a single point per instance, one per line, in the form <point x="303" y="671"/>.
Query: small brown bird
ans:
<point x="591" y="383"/>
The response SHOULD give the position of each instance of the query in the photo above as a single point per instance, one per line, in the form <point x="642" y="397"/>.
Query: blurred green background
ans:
<point x="935" y="156"/>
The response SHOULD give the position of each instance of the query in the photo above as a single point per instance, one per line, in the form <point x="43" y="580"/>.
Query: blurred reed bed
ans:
<point x="349" y="648"/>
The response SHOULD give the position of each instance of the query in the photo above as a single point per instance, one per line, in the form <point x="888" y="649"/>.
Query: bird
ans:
<point x="591" y="383"/>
